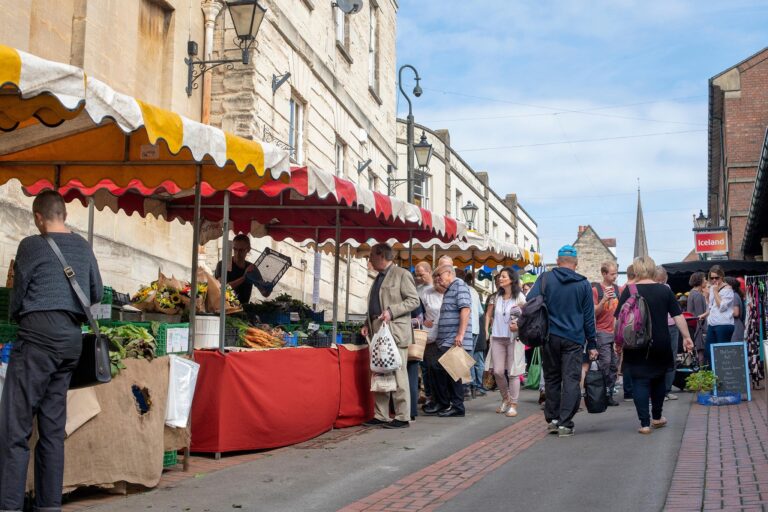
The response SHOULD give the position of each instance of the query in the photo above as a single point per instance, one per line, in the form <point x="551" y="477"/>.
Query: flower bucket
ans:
<point x="722" y="398"/>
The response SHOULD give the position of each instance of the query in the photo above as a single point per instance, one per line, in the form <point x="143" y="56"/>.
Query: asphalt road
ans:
<point x="605" y="466"/>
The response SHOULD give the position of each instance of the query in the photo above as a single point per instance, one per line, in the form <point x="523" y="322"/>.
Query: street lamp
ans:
<point x="700" y="222"/>
<point x="423" y="151"/>
<point x="409" y="130"/>
<point x="247" y="16"/>
<point x="470" y="211"/>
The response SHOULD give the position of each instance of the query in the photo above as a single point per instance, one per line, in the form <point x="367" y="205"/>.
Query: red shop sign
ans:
<point x="711" y="241"/>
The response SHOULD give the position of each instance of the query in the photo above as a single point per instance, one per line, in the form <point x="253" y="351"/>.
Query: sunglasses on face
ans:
<point x="714" y="278"/>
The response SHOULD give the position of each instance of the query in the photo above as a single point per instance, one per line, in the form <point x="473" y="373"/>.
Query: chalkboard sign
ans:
<point x="729" y="362"/>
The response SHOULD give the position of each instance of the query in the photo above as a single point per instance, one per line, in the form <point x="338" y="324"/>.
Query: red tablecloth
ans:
<point x="356" y="404"/>
<point x="258" y="400"/>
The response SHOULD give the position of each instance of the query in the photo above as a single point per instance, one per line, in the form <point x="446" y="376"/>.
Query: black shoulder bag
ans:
<point x="533" y="325"/>
<point x="93" y="367"/>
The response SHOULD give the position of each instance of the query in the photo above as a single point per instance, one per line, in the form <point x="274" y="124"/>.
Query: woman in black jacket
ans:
<point x="648" y="366"/>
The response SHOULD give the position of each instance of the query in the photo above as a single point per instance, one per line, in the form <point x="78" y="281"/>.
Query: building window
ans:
<point x="339" y="158"/>
<point x="373" y="51"/>
<point x="495" y="231"/>
<point x="507" y="238"/>
<point x="421" y="192"/>
<point x="296" y="130"/>
<point x="526" y="243"/>
<point x="371" y="181"/>
<point x="458" y="205"/>
<point x="341" y="22"/>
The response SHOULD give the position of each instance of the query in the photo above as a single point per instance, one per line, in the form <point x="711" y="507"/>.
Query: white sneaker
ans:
<point x="512" y="411"/>
<point x="503" y="408"/>
<point x="672" y="397"/>
<point x="552" y="427"/>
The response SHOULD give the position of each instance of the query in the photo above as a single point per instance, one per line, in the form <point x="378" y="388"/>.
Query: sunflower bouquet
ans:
<point x="168" y="300"/>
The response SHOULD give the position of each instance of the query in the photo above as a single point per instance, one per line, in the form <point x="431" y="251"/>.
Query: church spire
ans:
<point x="641" y="244"/>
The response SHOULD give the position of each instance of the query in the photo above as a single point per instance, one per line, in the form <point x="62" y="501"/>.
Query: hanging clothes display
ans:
<point x="756" y="302"/>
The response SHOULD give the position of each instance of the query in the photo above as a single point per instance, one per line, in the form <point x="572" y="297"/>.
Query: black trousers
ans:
<point x="431" y="355"/>
<point x="561" y="362"/>
<point x="413" y="382"/>
<point x="36" y="383"/>
<point x="449" y="392"/>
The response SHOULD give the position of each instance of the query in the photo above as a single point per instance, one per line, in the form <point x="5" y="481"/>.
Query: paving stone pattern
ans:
<point x="723" y="460"/>
<point x="434" y="485"/>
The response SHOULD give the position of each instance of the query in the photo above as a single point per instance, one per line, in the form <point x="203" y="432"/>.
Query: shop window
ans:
<point x="296" y="130"/>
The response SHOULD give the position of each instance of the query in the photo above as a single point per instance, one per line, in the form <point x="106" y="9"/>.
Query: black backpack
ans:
<point x="533" y="326"/>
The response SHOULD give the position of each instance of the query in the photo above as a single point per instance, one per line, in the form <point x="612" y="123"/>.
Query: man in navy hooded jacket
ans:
<point x="568" y="297"/>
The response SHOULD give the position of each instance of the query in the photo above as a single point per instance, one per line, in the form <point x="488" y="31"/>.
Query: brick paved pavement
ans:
<point x="434" y="485"/>
<point x="723" y="461"/>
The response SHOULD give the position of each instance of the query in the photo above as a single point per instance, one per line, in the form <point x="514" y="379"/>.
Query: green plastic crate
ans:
<point x="161" y="337"/>
<point x="8" y="333"/>
<point x="108" y="295"/>
<point x="170" y="458"/>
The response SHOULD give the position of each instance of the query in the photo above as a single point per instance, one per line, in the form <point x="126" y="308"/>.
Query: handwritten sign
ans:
<point x="729" y="362"/>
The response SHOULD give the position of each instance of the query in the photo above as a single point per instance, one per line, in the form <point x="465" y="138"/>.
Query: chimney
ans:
<point x="482" y="176"/>
<point x="582" y="229"/>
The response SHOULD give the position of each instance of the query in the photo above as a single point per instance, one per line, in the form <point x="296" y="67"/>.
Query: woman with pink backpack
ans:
<point x="643" y="336"/>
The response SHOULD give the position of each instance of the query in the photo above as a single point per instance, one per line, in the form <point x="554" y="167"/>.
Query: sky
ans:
<point x="570" y="104"/>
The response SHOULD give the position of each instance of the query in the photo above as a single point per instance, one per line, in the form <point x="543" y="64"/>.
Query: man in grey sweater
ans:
<point x="45" y="354"/>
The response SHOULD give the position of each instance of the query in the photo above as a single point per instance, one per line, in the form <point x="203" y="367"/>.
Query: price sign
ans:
<point x="729" y="363"/>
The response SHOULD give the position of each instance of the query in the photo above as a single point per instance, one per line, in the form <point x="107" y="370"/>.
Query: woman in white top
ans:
<point x="719" y="313"/>
<point x="507" y="352"/>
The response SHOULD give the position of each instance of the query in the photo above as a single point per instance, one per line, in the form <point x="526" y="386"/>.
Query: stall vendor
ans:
<point x="236" y="276"/>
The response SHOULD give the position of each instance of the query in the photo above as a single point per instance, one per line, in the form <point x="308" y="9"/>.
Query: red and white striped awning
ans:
<point x="303" y="208"/>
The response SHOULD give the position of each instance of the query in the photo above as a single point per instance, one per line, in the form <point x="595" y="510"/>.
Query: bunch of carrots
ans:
<point x="259" y="338"/>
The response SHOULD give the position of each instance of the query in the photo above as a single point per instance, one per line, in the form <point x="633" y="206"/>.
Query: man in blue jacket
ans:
<point x="568" y="297"/>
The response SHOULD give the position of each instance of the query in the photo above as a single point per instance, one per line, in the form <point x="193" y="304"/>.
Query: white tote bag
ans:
<point x="385" y="356"/>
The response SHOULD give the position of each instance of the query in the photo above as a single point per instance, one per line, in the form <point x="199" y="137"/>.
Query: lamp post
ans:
<point x="409" y="130"/>
<point x="247" y="16"/>
<point x="700" y="222"/>
<point x="423" y="153"/>
<point x="469" y="211"/>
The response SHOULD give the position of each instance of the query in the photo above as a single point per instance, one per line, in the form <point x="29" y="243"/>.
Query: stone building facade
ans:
<point x="451" y="183"/>
<point x="138" y="48"/>
<point x="336" y="111"/>
<point x="738" y="117"/>
<point x="593" y="251"/>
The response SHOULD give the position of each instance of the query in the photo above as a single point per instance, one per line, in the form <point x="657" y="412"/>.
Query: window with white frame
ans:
<point x="341" y="22"/>
<point x="421" y="191"/>
<point x="371" y="180"/>
<point x="339" y="158"/>
<point x="459" y="205"/>
<point x="507" y="238"/>
<point x="296" y="130"/>
<point x="373" y="50"/>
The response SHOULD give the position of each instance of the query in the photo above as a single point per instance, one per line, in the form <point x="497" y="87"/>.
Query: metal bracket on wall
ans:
<point x="278" y="80"/>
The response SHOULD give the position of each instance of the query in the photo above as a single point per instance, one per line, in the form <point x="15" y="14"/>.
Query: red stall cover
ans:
<point x="265" y="399"/>
<point x="356" y="404"/>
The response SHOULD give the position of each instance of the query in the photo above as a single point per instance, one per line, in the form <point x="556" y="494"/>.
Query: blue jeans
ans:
<point x="643" y="389"/>
<point x="717" y="334"/>
<point x="477" y="370"/>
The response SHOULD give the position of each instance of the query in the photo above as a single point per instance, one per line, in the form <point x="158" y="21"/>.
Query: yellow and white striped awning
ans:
<point x="62" y="125"/>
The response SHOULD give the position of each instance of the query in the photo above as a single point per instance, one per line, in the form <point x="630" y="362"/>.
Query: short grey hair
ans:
<point x="384" y="250"/>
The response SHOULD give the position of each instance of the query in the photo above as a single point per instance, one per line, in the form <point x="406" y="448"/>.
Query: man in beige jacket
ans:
<point x="392" y="298"/>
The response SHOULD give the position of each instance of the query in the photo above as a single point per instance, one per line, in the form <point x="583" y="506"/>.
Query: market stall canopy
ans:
<point x="69" y="129"/>
<point x="302" y="208"/>
<point x="679" y="273"/>
<point x="476" y="250"/>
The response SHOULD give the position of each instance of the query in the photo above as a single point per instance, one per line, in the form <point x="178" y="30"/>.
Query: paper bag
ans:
<point x="82" y="405"/>
<point x="457" y="362"/>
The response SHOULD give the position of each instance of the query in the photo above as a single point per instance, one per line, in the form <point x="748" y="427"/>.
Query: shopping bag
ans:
<point x="533" y="380"/>
<point x="457" y="362"/>
<point x="385" y="356"/>
<point x="415" y="352"/>
<point x="596" y="394"/>
<point x="182" y="378"/>
<point x="383" y="382"/>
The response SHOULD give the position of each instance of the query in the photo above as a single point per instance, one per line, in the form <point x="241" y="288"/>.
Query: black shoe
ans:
<point x="375" y="422"/>
<point x="612" y="402"/>
<point x="480" y="392"/>
<point x="397" y="424"/>
<point x="432" y="409"/>
<point x="413" y="418"/>
<point x="450" y="413"/>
